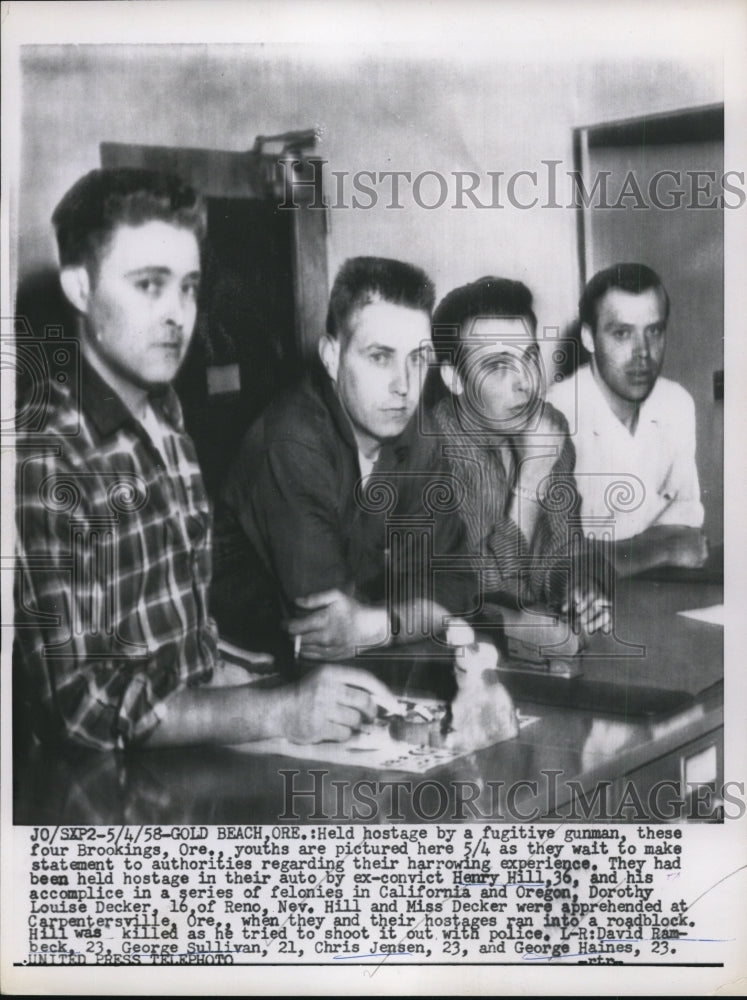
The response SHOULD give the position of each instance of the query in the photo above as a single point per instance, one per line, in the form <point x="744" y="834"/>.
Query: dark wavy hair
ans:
<point x="486" y="297"/>
<point x="633" y="278"/>
<point x="104" y="199"/>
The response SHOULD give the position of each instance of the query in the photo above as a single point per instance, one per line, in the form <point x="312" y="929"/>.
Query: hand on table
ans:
<point x="331" y="703"/>
<point x="590" y="609"/>
<point x="337" y="625"/>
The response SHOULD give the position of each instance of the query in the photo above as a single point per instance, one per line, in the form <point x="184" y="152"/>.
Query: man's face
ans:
<point x="378" y="372"/>
<point x="500" y="374"/>
<point x="142" y="302"/>
<point x="629" y="342"/>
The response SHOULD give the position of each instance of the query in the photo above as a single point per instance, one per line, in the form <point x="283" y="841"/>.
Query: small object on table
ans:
<point x="482" y="712"/>
<point x="419" y="724"/>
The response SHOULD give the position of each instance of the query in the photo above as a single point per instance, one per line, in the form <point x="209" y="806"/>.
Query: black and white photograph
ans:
<point x="372" y="477"/>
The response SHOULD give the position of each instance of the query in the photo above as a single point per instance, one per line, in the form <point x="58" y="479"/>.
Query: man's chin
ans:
<point x="638" y="393"/>
<point x="392" y="428"/>
<point x="507" y="424"/>
<point x="159" y="376"/>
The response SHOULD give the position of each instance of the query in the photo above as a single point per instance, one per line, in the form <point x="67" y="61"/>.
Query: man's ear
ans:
<point x="76" y="285"/>
<point x="452" y="380"/>
<point x="587" y="337"/>
<point x="329" y="352"/>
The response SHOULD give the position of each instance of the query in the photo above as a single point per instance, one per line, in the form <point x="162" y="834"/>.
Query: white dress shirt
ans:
<point x="644" y="478"/>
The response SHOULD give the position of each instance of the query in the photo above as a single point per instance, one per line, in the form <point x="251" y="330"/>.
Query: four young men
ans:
<point x="115" y="642"/>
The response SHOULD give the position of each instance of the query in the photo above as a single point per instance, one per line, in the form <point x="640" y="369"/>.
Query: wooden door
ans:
<point x="683" y="243"/>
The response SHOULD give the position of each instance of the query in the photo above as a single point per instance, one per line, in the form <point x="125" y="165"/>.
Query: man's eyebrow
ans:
<point x="149" y="269"/>
<point x="157" y="270"/>
<point x="381" y="347"/>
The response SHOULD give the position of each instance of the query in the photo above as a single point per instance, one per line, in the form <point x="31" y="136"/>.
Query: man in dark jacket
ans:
<point x="322" y="487"/>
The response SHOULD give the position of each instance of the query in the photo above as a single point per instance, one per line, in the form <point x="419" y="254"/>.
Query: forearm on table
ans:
<point x="630" y="556"/>
<point x="206" y="715"/>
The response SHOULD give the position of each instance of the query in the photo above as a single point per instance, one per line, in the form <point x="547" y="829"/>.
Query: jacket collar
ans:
<point x="324" y="385"/>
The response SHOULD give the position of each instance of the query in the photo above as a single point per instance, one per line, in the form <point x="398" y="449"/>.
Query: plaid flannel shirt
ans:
<point x="114" y="550"/>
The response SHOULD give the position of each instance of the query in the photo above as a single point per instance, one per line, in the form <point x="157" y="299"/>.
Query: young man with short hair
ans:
<point x="510" y="451"/>
<point x="114" y="643"/>
<point x="627" y="421"/>
<point x="298" y="488"/>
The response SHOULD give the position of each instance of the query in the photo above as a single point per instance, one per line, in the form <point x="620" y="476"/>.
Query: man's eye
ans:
<point x="192" y="291"/>
<point x="379" y="358"/>
<point x="151" y="286"/>
<point x="620" y="334"/>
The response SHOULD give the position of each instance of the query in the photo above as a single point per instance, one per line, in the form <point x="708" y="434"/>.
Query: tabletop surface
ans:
<point x="654" y="650"/>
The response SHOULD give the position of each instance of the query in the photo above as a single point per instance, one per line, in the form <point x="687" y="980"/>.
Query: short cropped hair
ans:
<point x="364" y="280"/>
<point x="484" y="298"/>
<point x="104" y="199"/>
<point x="633" y="278"/>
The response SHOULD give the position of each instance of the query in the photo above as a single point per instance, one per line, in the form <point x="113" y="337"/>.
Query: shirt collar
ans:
<point x="107" y="411"/>
<point x="600" y="409"/>
<point x="166" y="402"/>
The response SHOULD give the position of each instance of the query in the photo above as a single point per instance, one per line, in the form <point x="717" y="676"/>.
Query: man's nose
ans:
<point x="642" y="345"/>
<point x="175" y="306"/>
<point x="400" y="384"/>
<point x="522" y="381"/>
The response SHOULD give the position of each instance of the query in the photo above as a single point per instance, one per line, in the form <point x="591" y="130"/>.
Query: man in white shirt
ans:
<point x="634" y="432"/>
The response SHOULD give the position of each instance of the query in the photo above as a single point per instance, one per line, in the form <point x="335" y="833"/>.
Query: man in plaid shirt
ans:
<point x="115" y="644"/>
